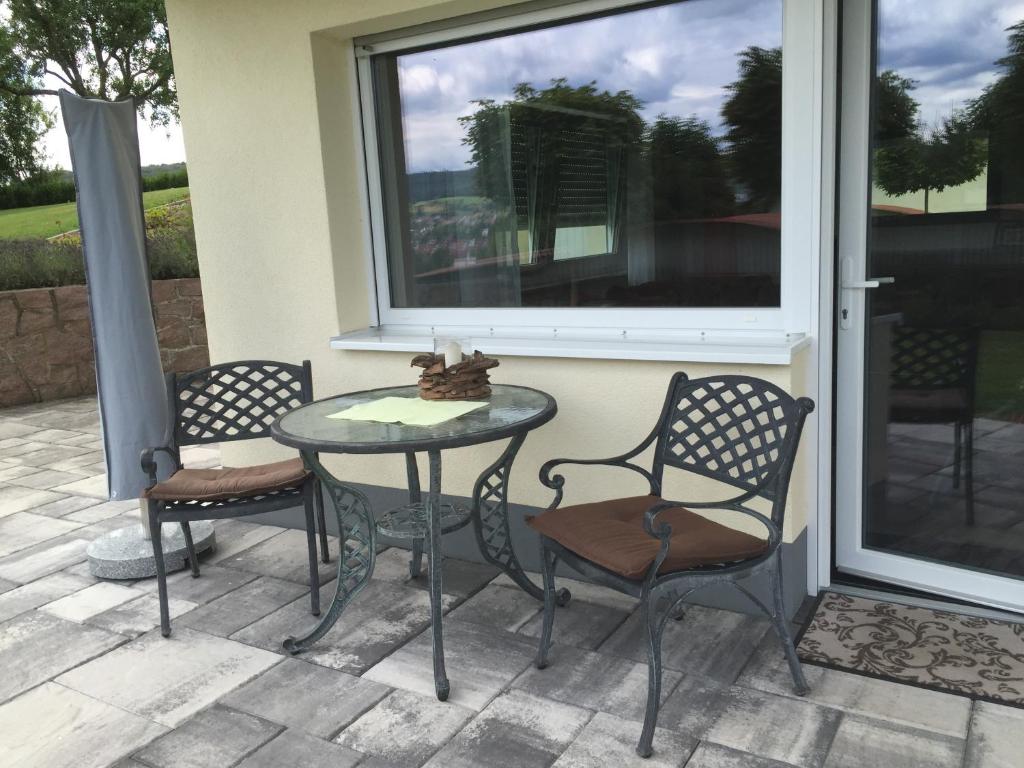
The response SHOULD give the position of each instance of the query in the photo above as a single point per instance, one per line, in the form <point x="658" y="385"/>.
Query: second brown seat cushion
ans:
<point x="611" y="534"/>
<point x="220" y="484"/>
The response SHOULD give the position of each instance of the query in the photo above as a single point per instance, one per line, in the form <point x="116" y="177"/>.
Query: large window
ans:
<point x="628" y="160"/>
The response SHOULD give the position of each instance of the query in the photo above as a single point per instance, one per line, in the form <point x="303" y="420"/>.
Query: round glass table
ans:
<point x="509" y="412"/>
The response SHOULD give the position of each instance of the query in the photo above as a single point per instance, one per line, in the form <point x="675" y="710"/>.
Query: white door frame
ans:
<point x="950" y="581"/>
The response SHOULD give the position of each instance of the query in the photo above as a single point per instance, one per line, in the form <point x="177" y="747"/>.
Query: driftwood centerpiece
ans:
<point x="466" y="380"/>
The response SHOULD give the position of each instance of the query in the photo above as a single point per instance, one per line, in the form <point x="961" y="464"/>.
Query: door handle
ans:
<point x="847" y="283"/>
<point x="873" y="282"/>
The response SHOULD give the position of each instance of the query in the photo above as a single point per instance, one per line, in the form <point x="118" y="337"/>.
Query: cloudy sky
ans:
<point x="675" y="58"/>
<point x="678" y="59"/>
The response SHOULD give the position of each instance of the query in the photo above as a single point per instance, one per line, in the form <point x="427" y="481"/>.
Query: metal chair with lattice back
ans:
<point x="226" y="403"/>
<point x="740" y="431"/>
<point x="932" y="381"/>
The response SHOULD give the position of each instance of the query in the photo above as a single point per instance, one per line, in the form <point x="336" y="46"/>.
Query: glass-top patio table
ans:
<point x="510" y="412"/>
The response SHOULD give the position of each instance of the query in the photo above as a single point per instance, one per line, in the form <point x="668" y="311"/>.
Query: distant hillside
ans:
<point x="430" y="185"/>
<point x="147" y="170"/>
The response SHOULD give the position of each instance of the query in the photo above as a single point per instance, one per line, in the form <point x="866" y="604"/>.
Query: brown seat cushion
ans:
<point x="950" y="399"/>
<point x="611" y="534"/>
<point x="219" y="484"/>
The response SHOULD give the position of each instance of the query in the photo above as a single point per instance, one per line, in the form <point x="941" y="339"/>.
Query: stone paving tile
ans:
<point x="39" y="592"/>
<point x="47" y="455"/>
<point x="709" y="755"/>
<point x="138" y="616"/>
<point x="234" y="536"/>
<point x="213" y="582"/>
<point x="381" y="618"/>
<point x="709" y="642"/>
<point x="593" y="680"/>
<point x="405" y="729"/>
<point x="90" y="601"/>
<point x="788" y="730"/>
<point x="7" y="586"/>
<point x="580" y="590"/>
<point x="54" y="435"/>
<point x="903" y="704"/>
<point x="105" y="510"/>
<point x="583" y="624"/>
<point x="11" y="472"/>
<point x="37" y="646"/>
<point x="14" y="429"/>
<point x="299" y="749"/>
<point x="169" y="679"/>
<point x="24" y="529"/>
<point x="693" y="706"/>
<point x="502" y="608"/>
<point x="44" y="479"/>
<point x="480" y="663"/>
<point x="997" y="737"/>
<point x="214" y="738"/>
<point x="610" y="742"/>
<point x="55" y="727"/>
<point x="14" y="498"/>
<point x="11" y="448"/>
<point x="241" y="607"/>
<point x="516" y="730"/>
<point x="90" y="486"/>
<point x="64" y="506"/>
<point x="458" y="577"/>
<point x="861" y="742"/>
<point x="308" y="697"/>
<point x="284" y="556"/>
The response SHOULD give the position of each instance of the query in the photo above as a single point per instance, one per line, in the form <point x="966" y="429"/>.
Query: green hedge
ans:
<point x="39" y="263"/>
<point x="51" y="187"/>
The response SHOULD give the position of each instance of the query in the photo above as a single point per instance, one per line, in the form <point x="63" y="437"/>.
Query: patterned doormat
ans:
<point x="970" y="656"/>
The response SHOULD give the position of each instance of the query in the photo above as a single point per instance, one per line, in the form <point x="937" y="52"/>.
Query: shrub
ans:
<point x="39" y="263"/>
<point x="52" y="187"/>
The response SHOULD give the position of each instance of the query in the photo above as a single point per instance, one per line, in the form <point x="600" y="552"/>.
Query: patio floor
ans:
<point x="88" y="680"/>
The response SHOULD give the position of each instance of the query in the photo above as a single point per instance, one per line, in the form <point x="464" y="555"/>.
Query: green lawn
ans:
<point x="1001" y="375"/>
<point x="49" y="220"/>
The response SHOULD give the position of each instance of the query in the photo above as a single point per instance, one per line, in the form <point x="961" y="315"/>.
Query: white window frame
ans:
<point x="801" y="167"/>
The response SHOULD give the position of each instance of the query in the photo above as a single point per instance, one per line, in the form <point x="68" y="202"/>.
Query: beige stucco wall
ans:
<point x="267" y="93"/>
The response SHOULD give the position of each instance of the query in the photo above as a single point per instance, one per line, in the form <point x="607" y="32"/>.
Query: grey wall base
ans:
<point x="462" y="544"/>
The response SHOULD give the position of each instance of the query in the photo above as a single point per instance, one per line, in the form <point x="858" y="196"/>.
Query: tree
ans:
<point x="23" y="121"/>
<point x="99" y="49"/>
<point x="909" y="158"/>
<point x="753" y="114"/>
<point x="998" y="113"/>
<point x="688" y="176"/>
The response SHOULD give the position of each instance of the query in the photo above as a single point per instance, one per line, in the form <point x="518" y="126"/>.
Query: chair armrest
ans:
<point x="664" y="531"/>
<point x="556" y="482"/>
<point x="148" y="461"/>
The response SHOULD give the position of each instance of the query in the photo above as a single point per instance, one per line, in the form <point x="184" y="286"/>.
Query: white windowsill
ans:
<point x="767" y="348"/>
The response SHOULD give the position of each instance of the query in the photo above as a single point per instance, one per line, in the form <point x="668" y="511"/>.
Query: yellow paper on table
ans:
<point x="409" y="410"/>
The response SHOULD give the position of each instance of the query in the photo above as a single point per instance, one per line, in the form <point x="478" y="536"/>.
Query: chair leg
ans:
<point x="416" y="558"/>
<point x="781" y="624"/>
<point x="321" y="521"/>
<point x="548" y="561"/>
<point x="654" y="622"/>
<point x="314" y="566"/>
<point x="190" y="548"/>
<point x="161" y="568"/>
<point x="969" y="470"/>
<point x="957" y="453"/>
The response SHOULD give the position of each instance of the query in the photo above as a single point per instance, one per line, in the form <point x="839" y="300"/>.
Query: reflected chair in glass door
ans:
<point x="740" y="431"/>
<point x="225" y="403"/>
<point x="933" y="382"/>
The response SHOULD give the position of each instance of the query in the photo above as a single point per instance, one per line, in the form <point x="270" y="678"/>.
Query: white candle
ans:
<point x="452" y="354"/>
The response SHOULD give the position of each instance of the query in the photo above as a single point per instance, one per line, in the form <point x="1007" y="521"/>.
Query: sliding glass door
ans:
<point x="930" y="376"/>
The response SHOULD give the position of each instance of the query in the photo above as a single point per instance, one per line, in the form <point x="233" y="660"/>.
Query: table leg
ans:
<point x="490" y="521"/>
<point x="441" y="684"/>
<point x="357" y="550"/>
<point x="415" y="497"/>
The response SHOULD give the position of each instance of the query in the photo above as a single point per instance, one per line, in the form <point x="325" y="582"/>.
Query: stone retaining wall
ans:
<point x="46" y="339"/>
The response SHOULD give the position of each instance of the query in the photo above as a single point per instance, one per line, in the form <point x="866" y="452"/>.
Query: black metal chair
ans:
<point x="225" y="403"/>
<point x="738" y="430"/>
<point x="933" y="382"/>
